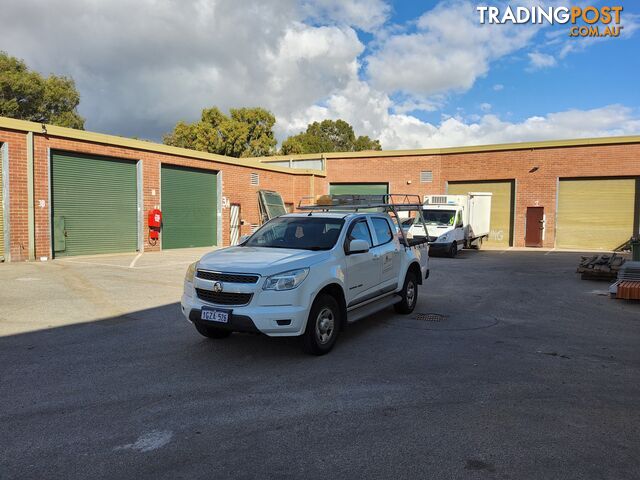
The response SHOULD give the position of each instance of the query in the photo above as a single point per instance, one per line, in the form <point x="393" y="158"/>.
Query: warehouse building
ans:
<point x="68" y="192"/>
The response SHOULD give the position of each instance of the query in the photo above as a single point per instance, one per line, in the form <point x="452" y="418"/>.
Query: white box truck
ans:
<point x="455" y="221"/>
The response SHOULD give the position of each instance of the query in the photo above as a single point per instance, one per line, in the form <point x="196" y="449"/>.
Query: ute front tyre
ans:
<point x="409" y="294"/>
<point x="453" y="250"/>
<point x="323" y="325"/>
<point x="212" y="332"/>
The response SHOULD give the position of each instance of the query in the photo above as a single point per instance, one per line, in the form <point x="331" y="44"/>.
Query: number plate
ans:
<point x="215" y="315"/>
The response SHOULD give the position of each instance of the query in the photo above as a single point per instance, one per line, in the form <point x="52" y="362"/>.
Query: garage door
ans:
<point x="501" y="207"/>
<point x="94" y="205"/>
<point x="358" y="188"/>
<point x="189" y="207"/>
<point x="595" y="214"/>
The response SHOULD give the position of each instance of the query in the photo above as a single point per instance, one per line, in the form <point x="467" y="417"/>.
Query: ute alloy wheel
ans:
<point x="323" y="325"/>
<point x="409" y="294"/>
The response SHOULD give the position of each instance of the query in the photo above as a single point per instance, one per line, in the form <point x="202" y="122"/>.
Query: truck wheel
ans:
<point x="212" y="332"/>
<point x="409" y="294"/>
<point x="453" y="250"/>
<point x="478" y="244"/>
<point x="323" y="326"/>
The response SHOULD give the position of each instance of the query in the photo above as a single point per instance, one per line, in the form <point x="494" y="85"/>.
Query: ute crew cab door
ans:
<point x="386" y="253"/>
<point x="362" y="274"/>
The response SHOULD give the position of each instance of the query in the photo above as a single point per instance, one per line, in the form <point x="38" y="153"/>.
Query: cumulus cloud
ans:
<point x="366" y="15"/>
<point x="449" y="51"/>
<point x="142" y="66"/>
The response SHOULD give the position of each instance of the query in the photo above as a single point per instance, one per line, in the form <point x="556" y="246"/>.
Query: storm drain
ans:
<point x="429" y="317"/>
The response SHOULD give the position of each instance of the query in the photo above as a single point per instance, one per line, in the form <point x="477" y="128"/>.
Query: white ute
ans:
<point x="308" y="275"/>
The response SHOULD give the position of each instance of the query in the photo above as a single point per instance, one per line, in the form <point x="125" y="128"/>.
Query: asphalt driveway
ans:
<point x="523" y="371"/>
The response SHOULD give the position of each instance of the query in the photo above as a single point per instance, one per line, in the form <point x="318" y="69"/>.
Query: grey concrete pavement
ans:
<point x="533" y="374"/>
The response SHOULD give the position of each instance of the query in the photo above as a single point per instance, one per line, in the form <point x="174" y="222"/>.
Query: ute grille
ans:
<point x="227" y="277"/>
<point x="223" y="298"/>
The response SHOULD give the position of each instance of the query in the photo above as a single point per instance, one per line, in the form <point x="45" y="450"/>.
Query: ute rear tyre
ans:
<point x="323" y="325"/>
<point x="453" y="250"/>
<point x="212" y="332"/>
<point x="409" y="294"/>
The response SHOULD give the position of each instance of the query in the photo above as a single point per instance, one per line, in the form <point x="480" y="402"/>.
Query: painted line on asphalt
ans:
<point x="134" y="261"/>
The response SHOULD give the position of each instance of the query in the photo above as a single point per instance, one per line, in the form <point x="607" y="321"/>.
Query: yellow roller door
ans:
<point x="595" y="214"/>
<point x="501" y="207"/>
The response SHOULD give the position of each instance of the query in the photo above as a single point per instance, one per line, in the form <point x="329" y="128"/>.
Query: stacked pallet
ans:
<point x="600" y="267"/>
<point x="628" y="284"/>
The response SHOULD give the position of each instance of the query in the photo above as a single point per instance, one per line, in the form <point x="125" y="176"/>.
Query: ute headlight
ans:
<point x="191" y="272"/>
<point x="286" y="280"/>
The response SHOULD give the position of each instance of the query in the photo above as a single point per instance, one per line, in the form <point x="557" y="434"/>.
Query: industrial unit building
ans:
<point x="68" y="192"/>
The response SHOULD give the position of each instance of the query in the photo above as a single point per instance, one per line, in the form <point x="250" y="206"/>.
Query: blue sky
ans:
<point x="603" y="73"/>
<point x="414" y="74"/>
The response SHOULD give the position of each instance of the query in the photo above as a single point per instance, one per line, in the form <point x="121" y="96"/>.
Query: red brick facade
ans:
<point x="533" y="188"/>
<point x="236" y="186"/>
<point x="536" y="172"/>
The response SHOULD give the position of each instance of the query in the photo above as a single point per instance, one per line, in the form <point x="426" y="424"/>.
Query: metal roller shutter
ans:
<point x="94" y="205"/>
<point x="189" y="207"/>
<point x="358" y="188"/>
<point x="595" y="214"/>
<point x="501" y="233"/>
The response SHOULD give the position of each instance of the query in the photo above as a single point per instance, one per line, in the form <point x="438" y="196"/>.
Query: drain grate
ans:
<point x="430" y="317"/>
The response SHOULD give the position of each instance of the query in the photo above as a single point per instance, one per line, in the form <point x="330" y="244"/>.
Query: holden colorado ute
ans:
<point x="306" y="275"/>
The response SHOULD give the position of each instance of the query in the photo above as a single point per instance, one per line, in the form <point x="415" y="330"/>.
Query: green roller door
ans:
<point x="358" y="188"/>
<point x="595" y="214"/>
<point x="94" y="205"/>
<point x="501" y="233"/>
<point x="189" y="207"/>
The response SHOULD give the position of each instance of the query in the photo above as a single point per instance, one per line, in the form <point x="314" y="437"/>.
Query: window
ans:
<point x="254" y="178"/>
<point x="459" y="220"/>
<point x="382" y="229"/>
<point x="360" y="231"/>
<point x="426" y="176"/>
<point x="304" y="233"/>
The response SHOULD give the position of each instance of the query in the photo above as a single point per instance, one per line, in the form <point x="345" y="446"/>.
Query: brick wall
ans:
<point x="537" y="188"/>
<point x="236" y="186"/>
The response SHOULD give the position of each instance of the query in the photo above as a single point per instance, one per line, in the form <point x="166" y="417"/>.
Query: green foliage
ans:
<point x="328" y="136"/>
<point x="27" y="95"/>
<point x="245" y="132"/>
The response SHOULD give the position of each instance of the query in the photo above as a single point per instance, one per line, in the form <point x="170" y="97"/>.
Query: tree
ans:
<point x="27" y="95"/>
<point x="328" y="136"/>
<point x="245" y="132"/>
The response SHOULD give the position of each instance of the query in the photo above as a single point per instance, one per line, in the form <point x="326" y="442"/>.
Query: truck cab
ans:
<point x="455" y="221"/>
<point x="306" y="275"/>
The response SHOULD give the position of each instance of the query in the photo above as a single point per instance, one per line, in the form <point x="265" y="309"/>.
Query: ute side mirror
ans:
<point x="358" y="246"/>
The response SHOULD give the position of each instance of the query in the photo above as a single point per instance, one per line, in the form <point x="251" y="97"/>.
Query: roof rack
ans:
<point x="391" y="203"/>
<point x="399" y="201"/>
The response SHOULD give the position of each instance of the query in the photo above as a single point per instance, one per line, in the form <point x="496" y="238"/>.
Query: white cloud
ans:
<point x="498" y="87"/>
<point x="539" y="60"/>
<point x="143" y="66"/>
<point x="485" y="107"/>
<point x="448" y="52"/>
<point x="366" y="15"/>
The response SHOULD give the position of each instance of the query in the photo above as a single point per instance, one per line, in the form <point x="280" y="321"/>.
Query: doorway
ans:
<point x="535" y="227"/>
<point x="234" y="226"/>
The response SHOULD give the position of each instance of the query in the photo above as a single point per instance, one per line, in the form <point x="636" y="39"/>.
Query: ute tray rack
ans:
<point x="390" y="203"/>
